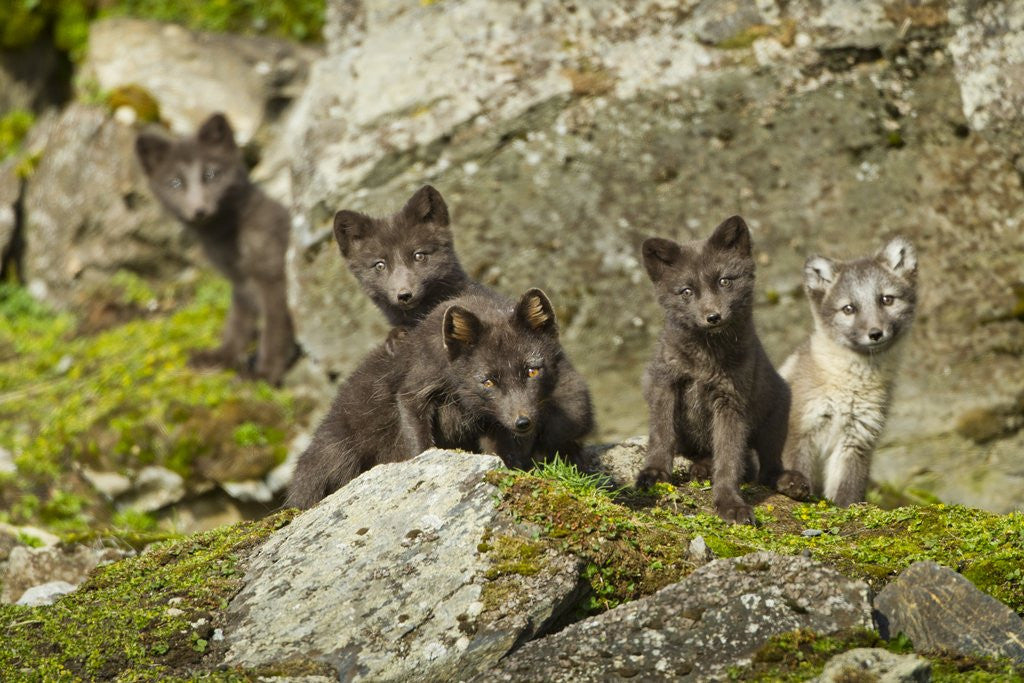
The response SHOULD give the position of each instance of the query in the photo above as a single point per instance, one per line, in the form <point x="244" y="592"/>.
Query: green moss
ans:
<point x="635" y="542"/>
<point x="784" y="32"/>
<point x="298" y="20"/>
<point x="140" y="619"/>
<point x="111" y="390"/>
<point x="14" y="126"/>
<point x="146" y="108"/>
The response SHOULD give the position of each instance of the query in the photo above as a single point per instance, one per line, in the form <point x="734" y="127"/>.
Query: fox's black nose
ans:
<point x="405" y="296"/>
<point x="523" y="424"/>
<point x="200" y="214"/>
<point x="714" y="318"/>
<point x="875" y="334"/>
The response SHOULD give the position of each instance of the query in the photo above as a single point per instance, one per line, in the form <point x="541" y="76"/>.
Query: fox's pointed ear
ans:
<point x="216" y="132"/>
<point x="900" y="257"/>
<point x="535" y="312"/>
<point x="350" y="226"/>
<point x="658" y="254"/>
<point x="151" y="150"/>
<point x="731" y="235"/>
<point x="427" y="206"/>
<point x="461" y="330"/>
<point x="819" y="273"/>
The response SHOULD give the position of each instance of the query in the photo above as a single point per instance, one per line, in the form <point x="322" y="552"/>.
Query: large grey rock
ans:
<point x="696" y="629"/>
<point x="560" y="143"/>
<point x="192" y="74"/>
<point x="386" y="580"/>
<point x="876" y="664"/>
<point x="941" y="611"/>
<point x="27" y="567"/>
<point x="88" y="211"/>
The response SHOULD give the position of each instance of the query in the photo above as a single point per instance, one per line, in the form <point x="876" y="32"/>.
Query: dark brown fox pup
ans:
<point x="204" y="183"/>
<point x="405" y="263"/>
<point x="481" y="374"/>
<point x="496" y="379"/>
<point x="713" y="394"/>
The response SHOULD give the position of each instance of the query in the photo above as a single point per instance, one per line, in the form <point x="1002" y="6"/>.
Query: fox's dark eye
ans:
<point x="725" y="282"/>
<point x="849" y="309"/>
<point x="379" y="266"/>
<point x="533" y="371"/>
<point x="419" y="256"/>
<point x="210" y="174"/>
<point x="488" y="383"/>
<point x="686" y="292"/>
<point x="176" y="183"/>
<point x="887" y="299"/>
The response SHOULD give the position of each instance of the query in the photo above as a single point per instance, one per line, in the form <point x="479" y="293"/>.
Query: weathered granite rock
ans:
<point x="941" y="611"/>
<point x="560" y="144"/>
<point x="45" y="593"/>
<point x="27" y="567"/>
<point x="88" y="211"/>
<point x="386" y="580"/>
<point x="192" y="74"/>
<point x="696" y="629"/>
<point x="876" y="664"/>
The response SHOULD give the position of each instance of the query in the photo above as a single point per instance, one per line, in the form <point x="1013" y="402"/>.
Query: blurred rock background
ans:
<point x="561" y="134"/>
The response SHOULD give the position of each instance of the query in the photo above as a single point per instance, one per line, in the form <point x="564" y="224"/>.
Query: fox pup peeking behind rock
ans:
<point x="481" y="373"/>
<point x="842" y="377"/>
<point x="244" y="233"/>
<point x="406" y="263"/>
<point x="713" y="394"/>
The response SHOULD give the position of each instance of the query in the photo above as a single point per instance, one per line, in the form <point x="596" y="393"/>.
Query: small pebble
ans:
<point x="810" y="533"/>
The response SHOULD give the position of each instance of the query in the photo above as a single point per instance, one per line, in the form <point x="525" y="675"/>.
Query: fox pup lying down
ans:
<point x="480" y="373"/>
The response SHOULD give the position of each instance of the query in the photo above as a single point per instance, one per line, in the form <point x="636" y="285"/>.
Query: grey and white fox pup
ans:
<point x="203" y="182"/>
<point x="842" y="377"/>
<point x="713" y="395"/>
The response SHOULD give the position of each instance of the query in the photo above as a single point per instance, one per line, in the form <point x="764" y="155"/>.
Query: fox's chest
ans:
<point x="844" y="409"/>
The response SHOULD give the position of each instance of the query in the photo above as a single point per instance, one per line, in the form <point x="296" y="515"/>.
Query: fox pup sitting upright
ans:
<point x="713" y="394"/>
<point x="842" y="377"/>
<point x="203" y="182"/>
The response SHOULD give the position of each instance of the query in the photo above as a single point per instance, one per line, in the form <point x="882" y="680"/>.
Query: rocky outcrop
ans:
<point x="192" y="74"/>
<point x="28" y="567"/>
<point x="88" y="211"/>
<point x="713" y="620"/>
<point x="562" y="135"/>
<point x="386" y="579"/>
<point x="941" y="611"/>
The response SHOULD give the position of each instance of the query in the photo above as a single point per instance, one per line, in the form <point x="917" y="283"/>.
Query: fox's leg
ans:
<point x="729" y="437"/>
<point x="662" y="444"/>
<point x="846" y="473"/>
<point x="239" y="329"/>
<point x="277" y="339"/>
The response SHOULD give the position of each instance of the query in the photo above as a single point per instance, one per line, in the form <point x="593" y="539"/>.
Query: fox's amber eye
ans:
<point x="686" y="292"/>
<point x="532" y="372"/>
<point x="725" y="282"/>
<point x="176" y="183"/>
<point x="849" y="309"/>
<point x="887" y="299"/>
<point x="209" y="174"/>
<point x="488" y="383"/>
<point x="379" y="266"/>
<point x="419" y="256"/>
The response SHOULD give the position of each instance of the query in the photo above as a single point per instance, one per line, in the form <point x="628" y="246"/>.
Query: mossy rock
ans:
<point x="136" y="98"/>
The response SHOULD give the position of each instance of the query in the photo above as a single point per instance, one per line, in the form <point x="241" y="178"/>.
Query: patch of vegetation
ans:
<point x="634" y="542"/>
<point x="147" y="618"/>
<point x="784" y="32"/>
<point x="14" y="126"/>
<point x="66" y="22"/>
<point x="138" y="99"/>
<point x="110" y="390"/>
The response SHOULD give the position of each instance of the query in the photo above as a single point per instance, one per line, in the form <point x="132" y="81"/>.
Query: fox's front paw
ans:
<point x="649" y="476"/>
<point x="700" y="470"/>
<point x="736" y="512"/>
<point x="794" y="485"/>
